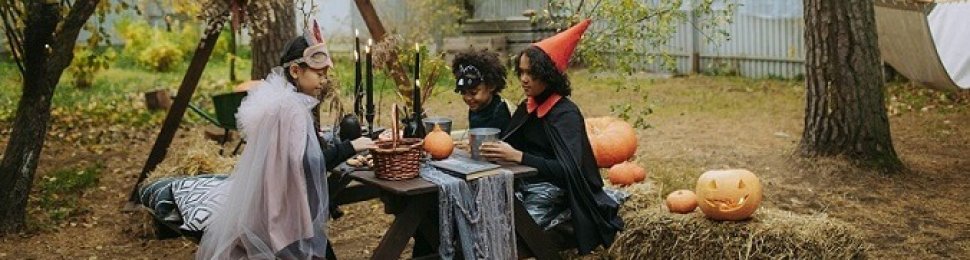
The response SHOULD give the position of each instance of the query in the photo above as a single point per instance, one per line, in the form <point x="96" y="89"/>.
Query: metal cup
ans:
<point x="443" y="122"/>
<point x="477" y="136"/>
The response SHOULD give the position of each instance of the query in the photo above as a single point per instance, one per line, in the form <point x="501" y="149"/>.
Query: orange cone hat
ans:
<point x="560" y="47"/>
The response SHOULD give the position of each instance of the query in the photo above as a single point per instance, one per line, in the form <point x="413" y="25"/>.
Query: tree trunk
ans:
<point x="233" y="54"/>
<point x="268" y="46"/>
<point x="845" y="113"/>
<point x="46" y="55"/>
<point x="376" y="29"/>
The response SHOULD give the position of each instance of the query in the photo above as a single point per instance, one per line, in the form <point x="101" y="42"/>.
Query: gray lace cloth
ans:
<point x="546" y="203"/>
<point x="481" y="212"/>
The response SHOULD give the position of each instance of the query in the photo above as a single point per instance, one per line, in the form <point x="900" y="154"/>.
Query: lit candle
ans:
<point x="358" y="88"/>
<point x="416" y="97"/>
<point x="417" y="61"/>
<point x="417" y="75"/>
<point x="370" y="90"/>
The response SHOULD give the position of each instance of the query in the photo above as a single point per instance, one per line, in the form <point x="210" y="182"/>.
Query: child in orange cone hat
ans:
<point x="547" y="132"/>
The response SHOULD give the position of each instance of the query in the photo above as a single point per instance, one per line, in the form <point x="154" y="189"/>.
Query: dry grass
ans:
<point x="771" y="234"/>
<point x="193" y="155"/>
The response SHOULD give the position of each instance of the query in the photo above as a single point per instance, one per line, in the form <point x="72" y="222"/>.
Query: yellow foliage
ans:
<point x="161" y="56"/>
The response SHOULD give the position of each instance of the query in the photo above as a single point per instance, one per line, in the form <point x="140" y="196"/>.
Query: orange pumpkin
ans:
<point x="682" y="201"/>
<point x="728" y="194"/>
<point x="612" y="139"/>
<point x="438" y="143"/>
<point x="639" y="174"/>
<point x="626" y="173"/>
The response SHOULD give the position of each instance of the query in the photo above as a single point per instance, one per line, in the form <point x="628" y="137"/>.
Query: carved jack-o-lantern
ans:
<point x="728" y="194"/>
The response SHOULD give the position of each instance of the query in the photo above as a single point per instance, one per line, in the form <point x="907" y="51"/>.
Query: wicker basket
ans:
<point x="397" y="164"/>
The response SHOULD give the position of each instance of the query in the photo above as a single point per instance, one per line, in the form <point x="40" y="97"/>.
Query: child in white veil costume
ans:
<point x="275" y="203"/>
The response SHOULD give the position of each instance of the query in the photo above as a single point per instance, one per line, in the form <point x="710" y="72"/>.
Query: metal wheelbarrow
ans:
<point x="226" y="105"/>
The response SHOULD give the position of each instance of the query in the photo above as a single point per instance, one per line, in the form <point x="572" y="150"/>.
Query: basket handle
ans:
<point x="394" y="126"/>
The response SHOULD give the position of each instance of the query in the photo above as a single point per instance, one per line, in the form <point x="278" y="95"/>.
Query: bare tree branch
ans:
<point x="13" y="39"/>
<point x="614" y="30"/>
<point x="65" y="39"/>
<point x="595" y="6"/>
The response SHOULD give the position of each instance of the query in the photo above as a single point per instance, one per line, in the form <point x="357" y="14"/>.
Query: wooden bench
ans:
<point x="342" y="191"/>
<point x="519" y="31"/>
<point x="410" y="201"/>
<point x="453" y="45"/>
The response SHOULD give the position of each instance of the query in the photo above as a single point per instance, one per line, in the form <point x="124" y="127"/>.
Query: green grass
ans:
<point x="58" y="192"/>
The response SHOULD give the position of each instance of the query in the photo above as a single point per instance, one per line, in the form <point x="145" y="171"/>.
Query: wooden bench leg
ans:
<point x="225" y="139"/>
<point x="404" y="226"/>
<point x="531" y="234"/>
<point x="428" y="238"/>
<point x="236" y="151"/>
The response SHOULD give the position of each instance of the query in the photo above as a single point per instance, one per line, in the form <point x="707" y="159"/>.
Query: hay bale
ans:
<point x="654" y="233"/>
<point x="643" y="195"/>
<point x="191" y="156"/>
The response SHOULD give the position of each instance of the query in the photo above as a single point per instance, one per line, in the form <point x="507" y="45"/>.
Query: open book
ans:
<point x="466" y="168"/>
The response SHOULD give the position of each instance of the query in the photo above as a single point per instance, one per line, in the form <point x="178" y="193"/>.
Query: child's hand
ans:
<point x="500" y="151"/>
<point x="388" y="135"/>
<point x="463" y="145"/>
<point x="362" y="144"/>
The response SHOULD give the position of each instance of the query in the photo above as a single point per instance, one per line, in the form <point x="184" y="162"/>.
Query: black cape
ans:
<point x="594" y="214"/>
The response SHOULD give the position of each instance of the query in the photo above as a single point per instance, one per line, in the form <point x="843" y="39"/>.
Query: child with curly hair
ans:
<point x="480" y="77"/>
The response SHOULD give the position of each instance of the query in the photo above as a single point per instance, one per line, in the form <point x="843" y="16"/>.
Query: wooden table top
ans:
<point x="420" y="186"/>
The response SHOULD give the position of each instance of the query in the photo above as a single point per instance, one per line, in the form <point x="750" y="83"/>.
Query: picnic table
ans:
<point x="412" y="200"/>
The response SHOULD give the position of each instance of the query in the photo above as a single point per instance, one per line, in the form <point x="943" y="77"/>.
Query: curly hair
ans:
<point x="492" y="70"/>
<point x="543" y="69"/>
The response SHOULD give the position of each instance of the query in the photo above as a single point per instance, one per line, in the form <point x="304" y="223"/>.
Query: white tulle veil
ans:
<point x="276" y="198"/>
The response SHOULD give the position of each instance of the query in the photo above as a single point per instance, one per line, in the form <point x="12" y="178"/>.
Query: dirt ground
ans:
<point x="698" y="123"/>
